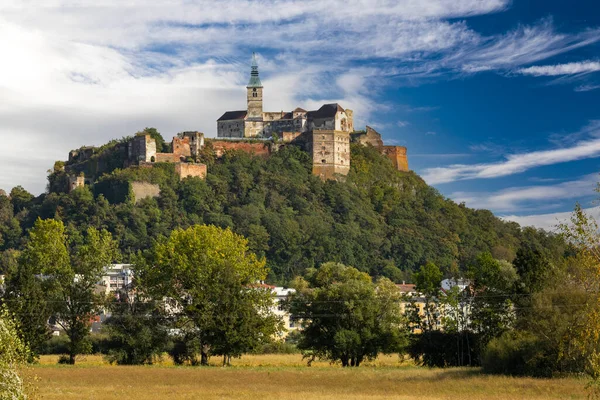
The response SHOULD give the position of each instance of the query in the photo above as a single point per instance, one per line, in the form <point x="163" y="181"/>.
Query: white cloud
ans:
<point x="550" y="221"/>
<point x="516" y="199"/>
<point x="573" y="68"/>
<point x="586" y="88"/>
<point x="402" y="124"/>
<point x="517" y="163"/>
<point x="524" y="45"/>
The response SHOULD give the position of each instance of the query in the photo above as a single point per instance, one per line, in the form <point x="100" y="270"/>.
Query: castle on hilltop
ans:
<point x="325" y="133"/>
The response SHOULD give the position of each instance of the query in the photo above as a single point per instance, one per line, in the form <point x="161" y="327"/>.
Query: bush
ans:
<point x="445" y="349"/>
<point x="519" y="353"/>
<point x="278" y="347"/>
<point x="56" y="345"/>
<point x="185" y="350"/>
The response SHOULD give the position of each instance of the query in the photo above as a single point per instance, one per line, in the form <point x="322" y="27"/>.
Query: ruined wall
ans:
<point x="398" y="156"/>
<point x="82" y="154"/>
<point x="371" y="136"/>
<point x="141" y="149"/>
<point x="232" y="129"/>
<point x="181" y="146"/>
<point x="75" y="182"/>
<point x="196" y="140"/>
<point x="330" y="151"/>
<point x="167" y="157"/>
<point x="142" y="190"/>
<point x="257" y="148"/>
<point x="350" y="118"/>
<point x="187" y="169"/>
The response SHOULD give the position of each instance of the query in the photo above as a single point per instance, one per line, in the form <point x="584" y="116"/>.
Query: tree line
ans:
<point x="379" y="220"/>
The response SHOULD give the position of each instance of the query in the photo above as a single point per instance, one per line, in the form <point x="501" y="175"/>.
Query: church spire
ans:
<point x="254" y="79"/>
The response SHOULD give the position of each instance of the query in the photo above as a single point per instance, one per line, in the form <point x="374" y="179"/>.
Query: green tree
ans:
<point x="492" y="290"/>
<point x="210" y="277"/>
<point x="13" y="354"/>
<point x="346" y="316"/>
<point x="161" y="146"/>
<point x="136" y="330"/>
<point x="20" y="198"/>
<point x="428" y="281"/>
<point x="68" y="277"/>
<point x="73" y="295"/>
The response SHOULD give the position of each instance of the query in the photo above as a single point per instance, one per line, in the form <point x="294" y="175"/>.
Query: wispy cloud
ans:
<point x="586" y="88"/>
<point x="402" y="124"/>
<point x="517" y="199"/>
<point x="573" y="68"/>
<point x="549" y="221"/>
<point x="517" y="163"/>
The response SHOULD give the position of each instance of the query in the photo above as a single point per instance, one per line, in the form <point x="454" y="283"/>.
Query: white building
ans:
<point x="116" y="277"/>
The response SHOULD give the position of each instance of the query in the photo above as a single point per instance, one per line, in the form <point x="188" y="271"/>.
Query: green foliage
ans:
<point x="211" y="275"/>
<point x="445" y="349"/>
<point x="161" y="145"/>
<point x="519" y="353"/>
<point x="492" y="289"/>
<point x="346" y="316"/>
<point x="13" y="354"/>
<point x="136" y="331"/>
<point x="20" y="198"/>
<point x="70" y="269"/>
<point x="380" y="220"/>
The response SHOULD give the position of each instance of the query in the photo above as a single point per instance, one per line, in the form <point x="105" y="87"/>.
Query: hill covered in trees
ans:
<point x="379" y="220"/>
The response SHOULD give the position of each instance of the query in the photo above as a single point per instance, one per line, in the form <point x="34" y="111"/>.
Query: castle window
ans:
<point x="323" y="161"/>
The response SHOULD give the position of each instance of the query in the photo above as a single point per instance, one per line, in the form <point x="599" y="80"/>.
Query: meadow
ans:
<point x="287" y="377"/>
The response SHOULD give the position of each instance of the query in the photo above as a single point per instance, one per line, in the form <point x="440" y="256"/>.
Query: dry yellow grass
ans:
<point x="286" y="377"/>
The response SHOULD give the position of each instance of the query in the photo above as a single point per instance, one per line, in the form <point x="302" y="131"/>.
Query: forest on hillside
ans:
<point x="379" y="220"/>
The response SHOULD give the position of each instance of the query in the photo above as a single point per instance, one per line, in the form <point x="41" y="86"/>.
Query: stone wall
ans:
<point x="181" y="146"/>
<point x="196" y="141"/>
<point x="330" y="151"/>
<point x="253" y="128"/>
<point x="142" y="190"/>
<point x="76" y="181"/>
<point x="188" y="169"/>
<point x="371" y="136"/>
<point x="232" y="129"/>
<point x="141" y="149"/>
<point x="398" y="156"/>
<point x="167" y="157"/>
<point x="258" y="148"/>
<point x="287" y="137"/>
<point x="82" y="154"/>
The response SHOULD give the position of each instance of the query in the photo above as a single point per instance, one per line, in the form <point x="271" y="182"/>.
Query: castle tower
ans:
<point x="255" y="93"/>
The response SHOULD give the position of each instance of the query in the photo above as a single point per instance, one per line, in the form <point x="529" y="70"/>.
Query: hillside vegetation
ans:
<point x="379" y="220"/>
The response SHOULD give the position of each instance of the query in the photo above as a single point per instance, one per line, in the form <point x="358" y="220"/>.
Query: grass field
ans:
<point x="287" y="377"/>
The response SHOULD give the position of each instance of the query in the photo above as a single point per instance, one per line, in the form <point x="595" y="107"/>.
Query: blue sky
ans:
<point x="496" y="100"/>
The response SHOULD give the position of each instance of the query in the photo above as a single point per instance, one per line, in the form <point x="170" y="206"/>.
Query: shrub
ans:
<point x="56" y="345"/>
<point x="445" y="349"/>
<point x="519" y="353"/>
<point x="278" y="347"/>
